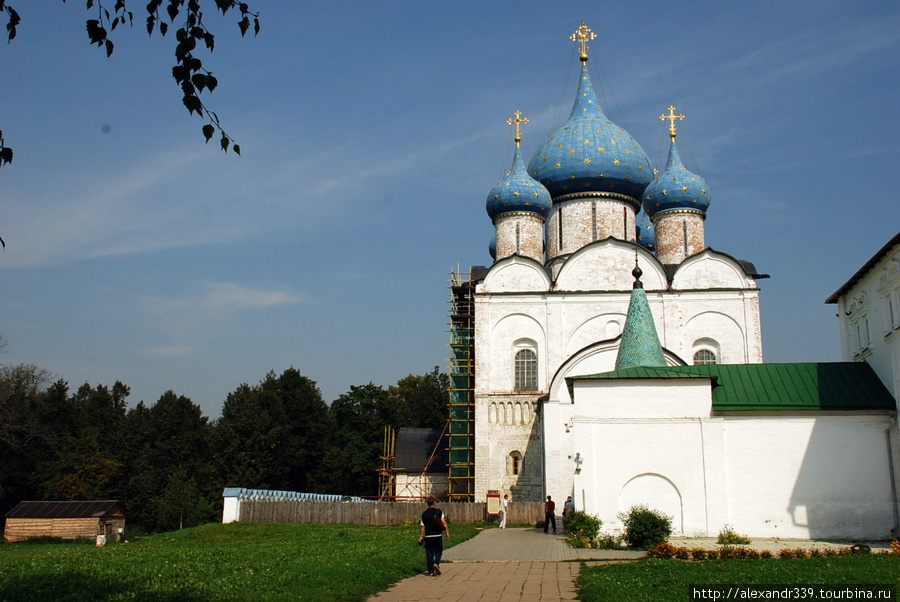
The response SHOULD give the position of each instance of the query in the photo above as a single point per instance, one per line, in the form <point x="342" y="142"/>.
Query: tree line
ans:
<point x="168" y="463"/>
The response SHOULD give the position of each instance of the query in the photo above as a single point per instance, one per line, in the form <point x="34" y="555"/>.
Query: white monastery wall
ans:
<point x="792" y="476"/>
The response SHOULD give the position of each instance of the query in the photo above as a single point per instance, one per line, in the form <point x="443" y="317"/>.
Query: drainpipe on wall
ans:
<point x="890" y="450"/>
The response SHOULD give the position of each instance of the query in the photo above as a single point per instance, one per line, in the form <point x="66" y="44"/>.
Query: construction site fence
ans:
<point x="379" y="513"/>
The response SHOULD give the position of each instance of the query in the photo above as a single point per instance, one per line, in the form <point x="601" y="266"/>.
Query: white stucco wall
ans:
<point x="516" y="304"/>
<point x="795" y="476"/>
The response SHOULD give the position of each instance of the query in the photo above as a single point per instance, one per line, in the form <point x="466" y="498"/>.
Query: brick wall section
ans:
<point x="530" y="239"/>
<point x="585" y="220"/>
<point x="670" y="229"/>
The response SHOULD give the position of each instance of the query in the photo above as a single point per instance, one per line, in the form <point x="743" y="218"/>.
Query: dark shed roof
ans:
<point x="415" y="447"/>
<point x="87" y="509"/>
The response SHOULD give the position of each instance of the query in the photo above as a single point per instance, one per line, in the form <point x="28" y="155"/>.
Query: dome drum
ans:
<point x="576" y="223"/>
<point x="679" y="234"/>
<point x="520" y="234"/>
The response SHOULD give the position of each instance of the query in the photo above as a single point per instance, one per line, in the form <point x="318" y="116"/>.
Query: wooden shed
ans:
<point x="68" y="520"/>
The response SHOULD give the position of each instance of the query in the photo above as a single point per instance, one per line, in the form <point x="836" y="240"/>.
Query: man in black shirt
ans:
<point x="432" y="526"/>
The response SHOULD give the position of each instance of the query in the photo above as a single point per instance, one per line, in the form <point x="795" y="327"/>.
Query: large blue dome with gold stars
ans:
<point x="518" y="192"/>
<point x="591" y="154"/>
<point x="676" y="188"/>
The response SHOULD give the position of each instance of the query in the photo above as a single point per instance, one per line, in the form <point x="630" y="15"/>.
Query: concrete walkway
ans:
<point x="508" y="564"/>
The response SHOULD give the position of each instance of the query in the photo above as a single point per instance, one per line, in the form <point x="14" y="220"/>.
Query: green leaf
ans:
<point x="208" y="131"/>
<point x="224" y="142"/>
<point x="244" y="24"/>
<point x="193" y="104"/>
<point x="237" y="149"/>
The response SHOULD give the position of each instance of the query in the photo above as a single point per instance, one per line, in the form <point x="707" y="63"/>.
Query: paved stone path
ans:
<point x="502" y="565"/>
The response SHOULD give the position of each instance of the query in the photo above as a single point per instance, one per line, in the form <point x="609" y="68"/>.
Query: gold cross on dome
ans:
<point x="517" y="120"/>
<point x="582" y="36"/>
<point x="671" y="117"/>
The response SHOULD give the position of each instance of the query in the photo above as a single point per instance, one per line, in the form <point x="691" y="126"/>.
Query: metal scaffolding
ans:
<point x="462" y="387"/>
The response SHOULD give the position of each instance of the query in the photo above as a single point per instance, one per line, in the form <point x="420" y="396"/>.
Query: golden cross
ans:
<point x="671" y="117"/>
<point x="517" y="120"/>
<point x="583" y="35"/>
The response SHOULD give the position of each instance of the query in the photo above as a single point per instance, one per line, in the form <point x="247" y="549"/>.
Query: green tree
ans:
<point x="274" y="435"/>
<point x="26" y="433"/>
<point x="170" y="438"/>
<point x="360" y="416"/>
<point x="422" y="399"/>
<point x="191" y="34"/>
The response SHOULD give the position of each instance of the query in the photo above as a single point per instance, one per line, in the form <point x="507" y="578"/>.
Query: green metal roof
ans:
<point x="640" y="343"/>
<point x="839" y="386"/>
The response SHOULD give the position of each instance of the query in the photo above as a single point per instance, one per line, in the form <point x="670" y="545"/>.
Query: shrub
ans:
<point x="645" y="527"/>
<point x="585" y="526"/>
<point x="699" y="554"/>
<point x="895" y="547"/>
<point x="729" y="537"/>
<point x="860" y="548"/>
<point x="661" y="550"/>
<point x="609" y="541"/>
<point x="766" y="554"/>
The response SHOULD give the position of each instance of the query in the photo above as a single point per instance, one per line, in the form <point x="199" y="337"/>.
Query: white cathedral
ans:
<point x="620" y="367"/>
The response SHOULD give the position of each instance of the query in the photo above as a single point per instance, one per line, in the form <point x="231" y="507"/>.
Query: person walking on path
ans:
<point x="568" y="507"/>
<point x="504" y="511"/>
<point x="549" y="514"/>
<point x="432" y="527"/>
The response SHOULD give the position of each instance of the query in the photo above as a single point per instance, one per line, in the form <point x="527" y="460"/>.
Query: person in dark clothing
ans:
<point x="549" y="514"/>
<point x="431" y="528"/>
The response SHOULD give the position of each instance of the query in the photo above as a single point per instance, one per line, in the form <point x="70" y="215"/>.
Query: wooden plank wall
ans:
<point x="18" y="529"/>
<point x="377" y="513"/>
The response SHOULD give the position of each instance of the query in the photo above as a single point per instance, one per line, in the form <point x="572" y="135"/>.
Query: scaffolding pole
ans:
<point x="462" y="387"/>
<point x="386" y="481"/>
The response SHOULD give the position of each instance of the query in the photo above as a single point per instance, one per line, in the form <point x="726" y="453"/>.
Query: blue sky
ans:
<point x="371" y="135"/>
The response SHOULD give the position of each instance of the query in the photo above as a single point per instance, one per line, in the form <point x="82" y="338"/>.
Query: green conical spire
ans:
<point x="640" y="343"/>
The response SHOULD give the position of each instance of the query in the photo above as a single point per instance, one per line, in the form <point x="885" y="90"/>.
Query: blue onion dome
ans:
<point x="492" y="246"/>
<point x="591" y="154"/>
<point x="646" y="235"/>
<point x="518" y="192"/>
<point x="676" y="188"/>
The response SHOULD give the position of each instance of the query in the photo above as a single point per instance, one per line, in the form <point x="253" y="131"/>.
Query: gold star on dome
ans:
<point x="684" y="189"/>
<point x="616" y="162"/>
<point x="664" y="192"/>
<point x="559" y="146"/>
<point x="558" y="164"/>
<point x="613" y="142"/>
<point x="628" y="152"/>
<point x="536" y="195"/>
<point x="601" y="149"/>
<point x="572" y="177"/>
<point x="587" y="160"/>
<point x="516" y="193"/>
<point x="703" y="191"/>
<point x="640" y="168"/>
<point x="572" y="152"/>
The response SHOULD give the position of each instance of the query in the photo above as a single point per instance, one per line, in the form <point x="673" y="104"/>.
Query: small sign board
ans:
<point x="493" y="502"/>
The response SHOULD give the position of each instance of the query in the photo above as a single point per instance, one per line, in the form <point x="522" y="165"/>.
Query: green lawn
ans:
<point x="659" y="580"/>
<point x="262" y="561"/>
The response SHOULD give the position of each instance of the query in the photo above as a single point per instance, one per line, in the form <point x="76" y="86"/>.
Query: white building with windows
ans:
<point x="553" y="304"/>
<point x="618" y="359"/>
<point x="869" y="314"/>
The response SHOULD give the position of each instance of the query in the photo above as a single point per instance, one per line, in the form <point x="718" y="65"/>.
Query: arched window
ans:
<point x="514" y="463"/>
<point x="704" y="356"/>
<point x="526" y="370"/>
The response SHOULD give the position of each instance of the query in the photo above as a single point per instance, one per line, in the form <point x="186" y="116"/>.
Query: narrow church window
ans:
<point x="559" y="221"/>
<point x="514" y="463"/>
<point x="684" y="228"/>
<point x="594" y="220"/>
<point x="526" y="370"/>
<point x="704" y="356"/>
<point x="518" y="242"/>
